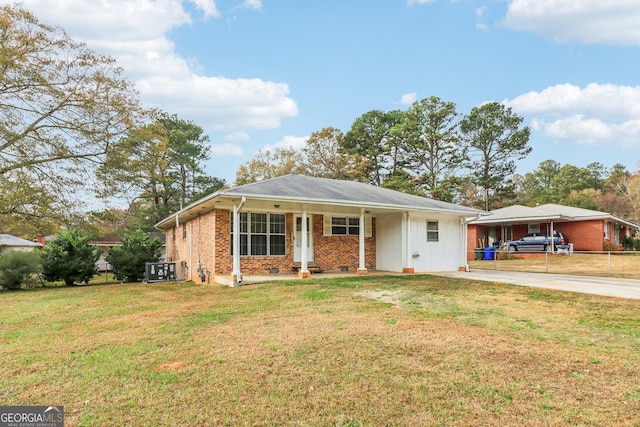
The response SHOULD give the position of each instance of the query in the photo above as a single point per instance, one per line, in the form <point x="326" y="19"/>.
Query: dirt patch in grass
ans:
<point x="172" y="366"/>
<point x="386" y="296"/>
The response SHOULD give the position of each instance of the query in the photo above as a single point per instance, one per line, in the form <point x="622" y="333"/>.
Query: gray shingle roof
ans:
<point x="547" y="212"/>
<point x="300" y="187"/>
<point x="9" y="240"/>
<point x="299" y="190"/>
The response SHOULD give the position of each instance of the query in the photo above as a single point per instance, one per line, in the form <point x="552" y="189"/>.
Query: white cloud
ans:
<point x="288" y="141"/>
<point x="135" y="32"/>
<point x="410" y="2"/>
<point x="207" y="6"/>
<point x="481" y="13"/>
<point x="252" y="4"/>
<point x="408" y="98"/>
<point x="582" y="21"/>
<point x="601" y="100"/>
<point x="237" y="137"/>
<point x="598" y="114"/>
<point x="221" y="103"/>
<point x="226" y="150"/>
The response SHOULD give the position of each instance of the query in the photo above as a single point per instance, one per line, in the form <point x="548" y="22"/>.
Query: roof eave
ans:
<point x="326" y="202"/>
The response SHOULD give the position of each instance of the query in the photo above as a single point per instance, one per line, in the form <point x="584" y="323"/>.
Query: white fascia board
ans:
<point x="325" y="202"/>
<point x="333" y="202"/>
<point x="482" y="221"/>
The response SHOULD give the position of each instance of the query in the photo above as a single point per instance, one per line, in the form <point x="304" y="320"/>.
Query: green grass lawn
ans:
<point x="322" y="352"/>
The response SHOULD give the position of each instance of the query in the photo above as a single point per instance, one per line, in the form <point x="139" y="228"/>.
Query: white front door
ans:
<point x="297" y="239"/>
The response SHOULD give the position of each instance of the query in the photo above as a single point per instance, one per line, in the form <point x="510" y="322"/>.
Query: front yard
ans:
<point x="394" y="351"/>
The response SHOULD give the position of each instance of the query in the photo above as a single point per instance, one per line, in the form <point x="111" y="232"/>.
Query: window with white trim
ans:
<point x="346" y="226"/>
<point x="507" y="233"/>
<point x="432" y="231"/>
<point x="261" y="234"/>
<point x="534" y="228"/>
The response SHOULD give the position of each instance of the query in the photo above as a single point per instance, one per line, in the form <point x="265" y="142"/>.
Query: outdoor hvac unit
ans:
<point x="164" y="271"/>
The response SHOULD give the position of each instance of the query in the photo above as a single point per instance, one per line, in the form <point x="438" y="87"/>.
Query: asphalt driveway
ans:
<point x="621" y="288"/>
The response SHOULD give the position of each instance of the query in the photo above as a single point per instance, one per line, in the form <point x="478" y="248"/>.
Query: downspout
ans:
<point x="191" y="250"/>
<point x="236" y="275"/>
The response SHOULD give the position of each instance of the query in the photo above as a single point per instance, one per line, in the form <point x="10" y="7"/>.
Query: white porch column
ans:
<point x="304" y="254"/>
<point x="463" y="232"/>
<point x="408" y="268"/>
<point x="362" y="269"/>
<point x="236" y="275"/>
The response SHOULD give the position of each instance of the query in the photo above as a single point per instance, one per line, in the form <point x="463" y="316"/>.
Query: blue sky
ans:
<point x="258" y="74"/>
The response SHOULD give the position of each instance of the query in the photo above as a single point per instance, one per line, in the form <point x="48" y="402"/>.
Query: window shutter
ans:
<point x="367" y="226"/>
<point x="327" y="225"/>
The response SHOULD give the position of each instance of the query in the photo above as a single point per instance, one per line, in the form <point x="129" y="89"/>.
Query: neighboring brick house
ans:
<point x="586" y="229"/>
<point x="344" y="225"/>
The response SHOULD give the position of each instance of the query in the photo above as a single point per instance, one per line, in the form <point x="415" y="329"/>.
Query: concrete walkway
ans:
<point x="621" y="288"/>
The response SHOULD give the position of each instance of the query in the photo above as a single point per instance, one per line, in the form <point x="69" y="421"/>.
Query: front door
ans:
<point x="297" y="239"/>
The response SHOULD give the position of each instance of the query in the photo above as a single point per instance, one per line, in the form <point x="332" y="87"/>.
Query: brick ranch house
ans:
<point x="587" y="230"/>
<point x="344" y="226"/>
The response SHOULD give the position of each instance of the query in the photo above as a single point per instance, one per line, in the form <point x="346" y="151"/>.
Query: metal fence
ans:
<point x="623" y="264"/>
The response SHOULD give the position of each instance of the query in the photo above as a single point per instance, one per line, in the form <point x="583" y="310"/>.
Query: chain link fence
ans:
<point x="622" y="264"/>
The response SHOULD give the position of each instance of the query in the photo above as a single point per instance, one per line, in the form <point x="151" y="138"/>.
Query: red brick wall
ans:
<point x="473" y="234"/>
<point x="585" y="235"/>
<point x="212" y="231"/>
<point x="333" y="252"/>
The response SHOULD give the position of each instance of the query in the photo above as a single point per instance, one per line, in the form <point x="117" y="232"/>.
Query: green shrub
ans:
<point x="609" y="246"/>
<point x="70" y="258"/>
<point x="128" y="261"/>
<point x="18" y="268"/>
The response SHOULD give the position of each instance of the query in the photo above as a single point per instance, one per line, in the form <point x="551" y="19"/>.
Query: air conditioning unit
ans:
<point x="164" y="271"/>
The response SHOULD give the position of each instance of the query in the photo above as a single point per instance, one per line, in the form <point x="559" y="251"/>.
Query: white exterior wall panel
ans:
<point x="443" y="255"/>
<point x="389" y="243"/>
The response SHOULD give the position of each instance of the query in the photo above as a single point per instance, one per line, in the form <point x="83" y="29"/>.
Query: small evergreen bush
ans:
<point x="70" y="258"/>
<point x="18" y="268"/>
<point x="128" y="261"/>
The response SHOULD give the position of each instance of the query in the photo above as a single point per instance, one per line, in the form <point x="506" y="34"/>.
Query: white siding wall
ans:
<point x="447" y="254"/>
<point x="389" y="242"/>
<point x="443" y="255"/>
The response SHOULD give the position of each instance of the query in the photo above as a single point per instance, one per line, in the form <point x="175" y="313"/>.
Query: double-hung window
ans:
<point x="345" y="226"/>
<point x="261" y="234"/>
<point x="432" y="231"/>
